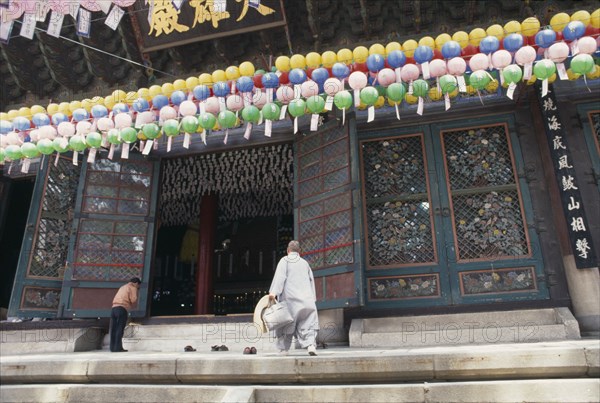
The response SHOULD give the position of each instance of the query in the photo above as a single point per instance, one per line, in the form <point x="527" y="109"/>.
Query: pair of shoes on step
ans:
<point x="250" y="350"/>
<point x="219" y="348"/>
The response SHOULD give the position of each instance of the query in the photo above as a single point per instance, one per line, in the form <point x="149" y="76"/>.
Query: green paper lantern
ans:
<point x="113" y="136"/>
<point x="343" y="100"/>
<point x="369" y="95"/>
<point x="315" y="104"/>
<point x="544" y="69"/>
<point x="189" y="124"/>
<point x="45" y="146"/>
<point x="129" y="135"/>
<point x="297" y="107"/>
<point x="61" y="144"/>
<point x="77" y="143"/>
<point x="448" y="83"/>
<point x="251" y="114"/>
<point x="171" y="127"/>
<point x="226" y="119"/>
<point x="582" y="64"/>
<point x="271" y="111"/>
<point x="29" y="150"/>
<point x="94" y="139"/>
<point x="512" y="74"/>
<point x="151" y="130"/>
<point x="13" y="152"/>
<point x="396" y="92"/>
<point x="207" y="121"/>
<point x="479" y="79"/>
<point x="3" y="155"/>
<point x="420" y="88"/>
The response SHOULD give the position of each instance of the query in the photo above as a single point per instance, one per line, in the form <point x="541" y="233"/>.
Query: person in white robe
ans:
<point x="294" y="283"/>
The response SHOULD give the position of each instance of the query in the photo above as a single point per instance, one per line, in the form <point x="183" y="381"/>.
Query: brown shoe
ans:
<point x="247" y="350"/>
<point x="253" y="350"/>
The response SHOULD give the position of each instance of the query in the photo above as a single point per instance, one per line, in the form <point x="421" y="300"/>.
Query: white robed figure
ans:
<point x="294" y="283"/>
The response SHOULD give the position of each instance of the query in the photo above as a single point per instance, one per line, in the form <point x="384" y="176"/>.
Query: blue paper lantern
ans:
<point x="201" y="92"/>
<point x="221" y="89"/>
<point x="340" y="70"/>
<point x="120" y="108"/>
<point x="5" y="126"/>
<point x="58" y="118"/>
<point x="21" y="123"/>
<point x="140" y="105"/>
<point x="397" y="58"/>
<point x="489" y="44"/>
<point x="159" y="101"/>
<point x="245" y="84"/>
<point x="513" y="42"/>
<point x="423" y="54"/>
<point x="80" y="114"/>
<point x="545" y="38"/>
<point x="375" y="63"/>
<point x="177" y="97"/>
<point x="297" y="76"/>
<point x="451" y="49"/>
<point x="40" y="119"/>
<point x="319" y="75"/>
<point x="270" y="80"/>
<point x="99" y="111"/>
<point x="573" y="30"/>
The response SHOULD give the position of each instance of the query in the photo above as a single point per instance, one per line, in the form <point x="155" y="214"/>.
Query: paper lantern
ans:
<point x="558" y="52"/>
<point x="246" y="69"/>
<point x="559" y="21"/>
<point x="29" y="150"/>
<point x="360" y="54"/>
<point x="313" y="60"/>
<point x="545" y="38"/>
<point x="189" y="124"/>
<point x="297" y="62"/>
<point x="525" y="55"/>
<point x="396" y="92"/>
<point x="345" y="56"/>
<point x="489" y="44"/>
<point x="251" y="114"/>
<point x="77" y="143"/>
<point x="188" y="108"/>
<point x="66" y="129"/>
<point x="386" y="76"/>
<point x="45" y="146"/>
<point x="122" y="120"/>
<point x="501" y="59"/>
<point x="530" y="26"/>
<point x="309" y="88"/>
<point x="437" y="68"/>
<point x="448" y="83"/>
<point x="328" y="58"/>
<point x="479" y="79"/>
<point x="171" y="127"/>
<point x="479" y="62"/>
<point x="369" y="95"/>
<point x="544" y="69"/>
<point x="582" y="64"/>
<point x="451" y="49"/>
<point x="587" y="45"/>
<point x="234" y="103"/>
<point x="512" y="74"/>
<point x="94" y="139"/>
<point x="375" y="62"/>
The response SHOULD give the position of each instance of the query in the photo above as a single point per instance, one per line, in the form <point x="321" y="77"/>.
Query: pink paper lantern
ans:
<point x="501" y="59"/>
<point x="587" y="45"/>
<point x="188" y="108"/>
<point x="357" y="80"/>
<point x="480" y="61"/>
<point x="212" y="105"/>
<point x="525" y="55"/>
<point x="309" y="88"/>
<point x="332" y="86"/>
<point x="385" y="77"/>
<point x="83" y="127"/>
<point x="285" y="94"/>
<point x="437" y="68"/>
<point x="558" y="52"/>
<point x="49" y="132"/>
<point x="235" y="102"/>
<point x="167" y="112"/>
<point x="259" y="99"/>
<point x="34" y="135"/>
<point x="457" y="66"/>
<point x="66" y="129"/>
<point x="410" y="72"/>
<point x="122" y="120"/>
<point x="146" y="117"/>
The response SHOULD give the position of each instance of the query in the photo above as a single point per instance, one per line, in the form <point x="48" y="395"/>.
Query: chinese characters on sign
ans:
<point x="579" y="234"/>
<point x="171" y="23"/>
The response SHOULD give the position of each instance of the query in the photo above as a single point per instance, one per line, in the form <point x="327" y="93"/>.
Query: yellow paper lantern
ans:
<point x="232" y="73"/>
<point x="362" y="106"/>
<point x="97" y="100"/>
<point x="409" y="47"/>
<point x="119" y="95"/>
<point x="530" y="26"/>
<point x="25" y="112"/>
<point x="190" y="83"/>
<point x="492" y="86"/>
<point x="37" y="109"/>
<point x="376" y="49"/>
<point x="206" y="79"/>
<point x="63" y="107"/>
<point x="572" y="76"/>
<point x="495" y="30"/>
<point x="559" y="21"/>
<point x="471" y="90"/>
<point x="313" y="60"/>
<point x="462" y="38"/>
<point x="179" y="85"/>
<point x="246" y="69"/>
<point x="512" y="27"/>
<point x="476" y="35"/>
<point x="87" y="104"/>
<point x="52" y="108"/>
<point x="434" y="94"/>
<point x="427" y="41"/>
<point x="298" y="62"/>
<point x="131" y="97"/>
<point x="532" y="80"/>
<point x="154" y="90"/>
<point x="13" y="113"/>
<point x="328" y="58"/>
<point x="390" y="47"/>
<point x="441" y="39"/>
<point x="595" y="18"/>
<point x="73" y="105"/>
<point x="218" y="75"/>
<point x="454" y="93"/>
<point x="109" y="101"/>
<point x="595" y="74"/>
<point x="3" y="116"/>
<point x="168" y="88"/>
<point x="552" y="78"/>
<point x="380" y="101"/>
<point x="360" y="54"/>
<point x="411" y="99"/>
<point x="141" y="136"/>
<point x="283" y="63"/>
<point x="144" y="93"/>
<point x="582" y="16"/>
<point x="345" y="56"/>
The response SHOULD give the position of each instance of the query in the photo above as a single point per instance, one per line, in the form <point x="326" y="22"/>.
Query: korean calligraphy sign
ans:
<point x="172" y="23"/>
<point x="577" y="224"/>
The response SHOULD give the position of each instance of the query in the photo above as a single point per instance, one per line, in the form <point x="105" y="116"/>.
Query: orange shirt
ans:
<point x="126" y="296"/>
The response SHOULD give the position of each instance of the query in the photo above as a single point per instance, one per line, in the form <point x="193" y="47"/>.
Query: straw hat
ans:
<point x="263" y="303"/>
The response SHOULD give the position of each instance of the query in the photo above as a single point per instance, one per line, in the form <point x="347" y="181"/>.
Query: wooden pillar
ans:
<point x="206" y="247"/>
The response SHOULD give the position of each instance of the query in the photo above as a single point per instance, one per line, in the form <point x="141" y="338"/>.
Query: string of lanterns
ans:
<point x="310" y="84"/>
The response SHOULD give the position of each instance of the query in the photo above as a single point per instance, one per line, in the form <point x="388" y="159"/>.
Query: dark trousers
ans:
<point x="118" y="321"/>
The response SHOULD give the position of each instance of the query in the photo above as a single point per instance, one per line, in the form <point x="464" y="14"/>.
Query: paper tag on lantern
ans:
<point x="105" y="142"/>
<point x="247" y="131"/>
<point x="398" y="76"/>
<point x="75" y="158"/>
<point x="447" y="101"/>
<point x="420" y="106"/>
<point x="148" y="147"/>
<point x="55" y="24"/>
<point x="397" y="111"/>
<point x="260" y="119"/>
<point x="74" y="9"/>
<point x="55" y="160"/>
<point x="5" y="30"/>
<point x="511" y="90"/>
<point x="479" y="95"/>
<point x="25" y="165"/>
<point x="186" y="140"/>
<point x="295" y="125"/>
<point x="203" y="136"/>
<point x="283" y="112"/>
<point x="269" y="94"/>
<point x="527" y="71"/>
<point x="142" y="144"/>
<point x="574" y="48"/>
<point x="297" y="91"/>
<point x="425" y="70"/>
<point x="42" y="162"/>
<point x="329" y="103"/>
<point x="114" y="18"/>
<point x="202" y="107"/>
<point x="222" y="104"/>
<point x="268" y="127"/>
<point x="169" y="143"/>
<point x="92" y="155"/>
<point x="247" y="96"/>
<point x="544" y="87"/>
<point x="138" y="121"/>
<point x="357" y="98"/>
<point x="28" y="26"/>
<point x="11" y="165"/>
<point x="314" y="122"/>
<point x="226" y="136"/>
<point x="343" y="116"/>
<point x="155" y="146"/>
<point x="501" y="77"/>
<point x="410" y="88"/>
<point x="462" y="85"/>
<point x="84" y="23"/>
<point x="232" y="87"/>
<point x="41" y="10"/>
<point x="370" y="113"/>
<point x="104" y="6"/>
<point x="562" y="71"/>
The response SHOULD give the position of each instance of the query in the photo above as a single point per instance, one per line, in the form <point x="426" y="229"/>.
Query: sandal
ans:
<point x="253" y="350"/>
<point x="189" y="348"/>
<point x="223" y="348"/>
<point x="247" y="350"/>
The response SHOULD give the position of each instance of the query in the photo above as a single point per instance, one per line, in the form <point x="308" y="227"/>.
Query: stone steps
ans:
<point x="46" y="338"/>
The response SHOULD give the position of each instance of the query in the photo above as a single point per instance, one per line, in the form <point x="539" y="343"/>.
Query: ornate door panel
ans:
<point x="327" y="214"/>
<point x="40" y="272"/>
<point x="113" y="236"/>
<point x="445" y="218"/>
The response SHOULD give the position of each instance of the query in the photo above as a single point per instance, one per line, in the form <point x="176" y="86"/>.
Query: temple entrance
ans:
<point x="238" y="202"/>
